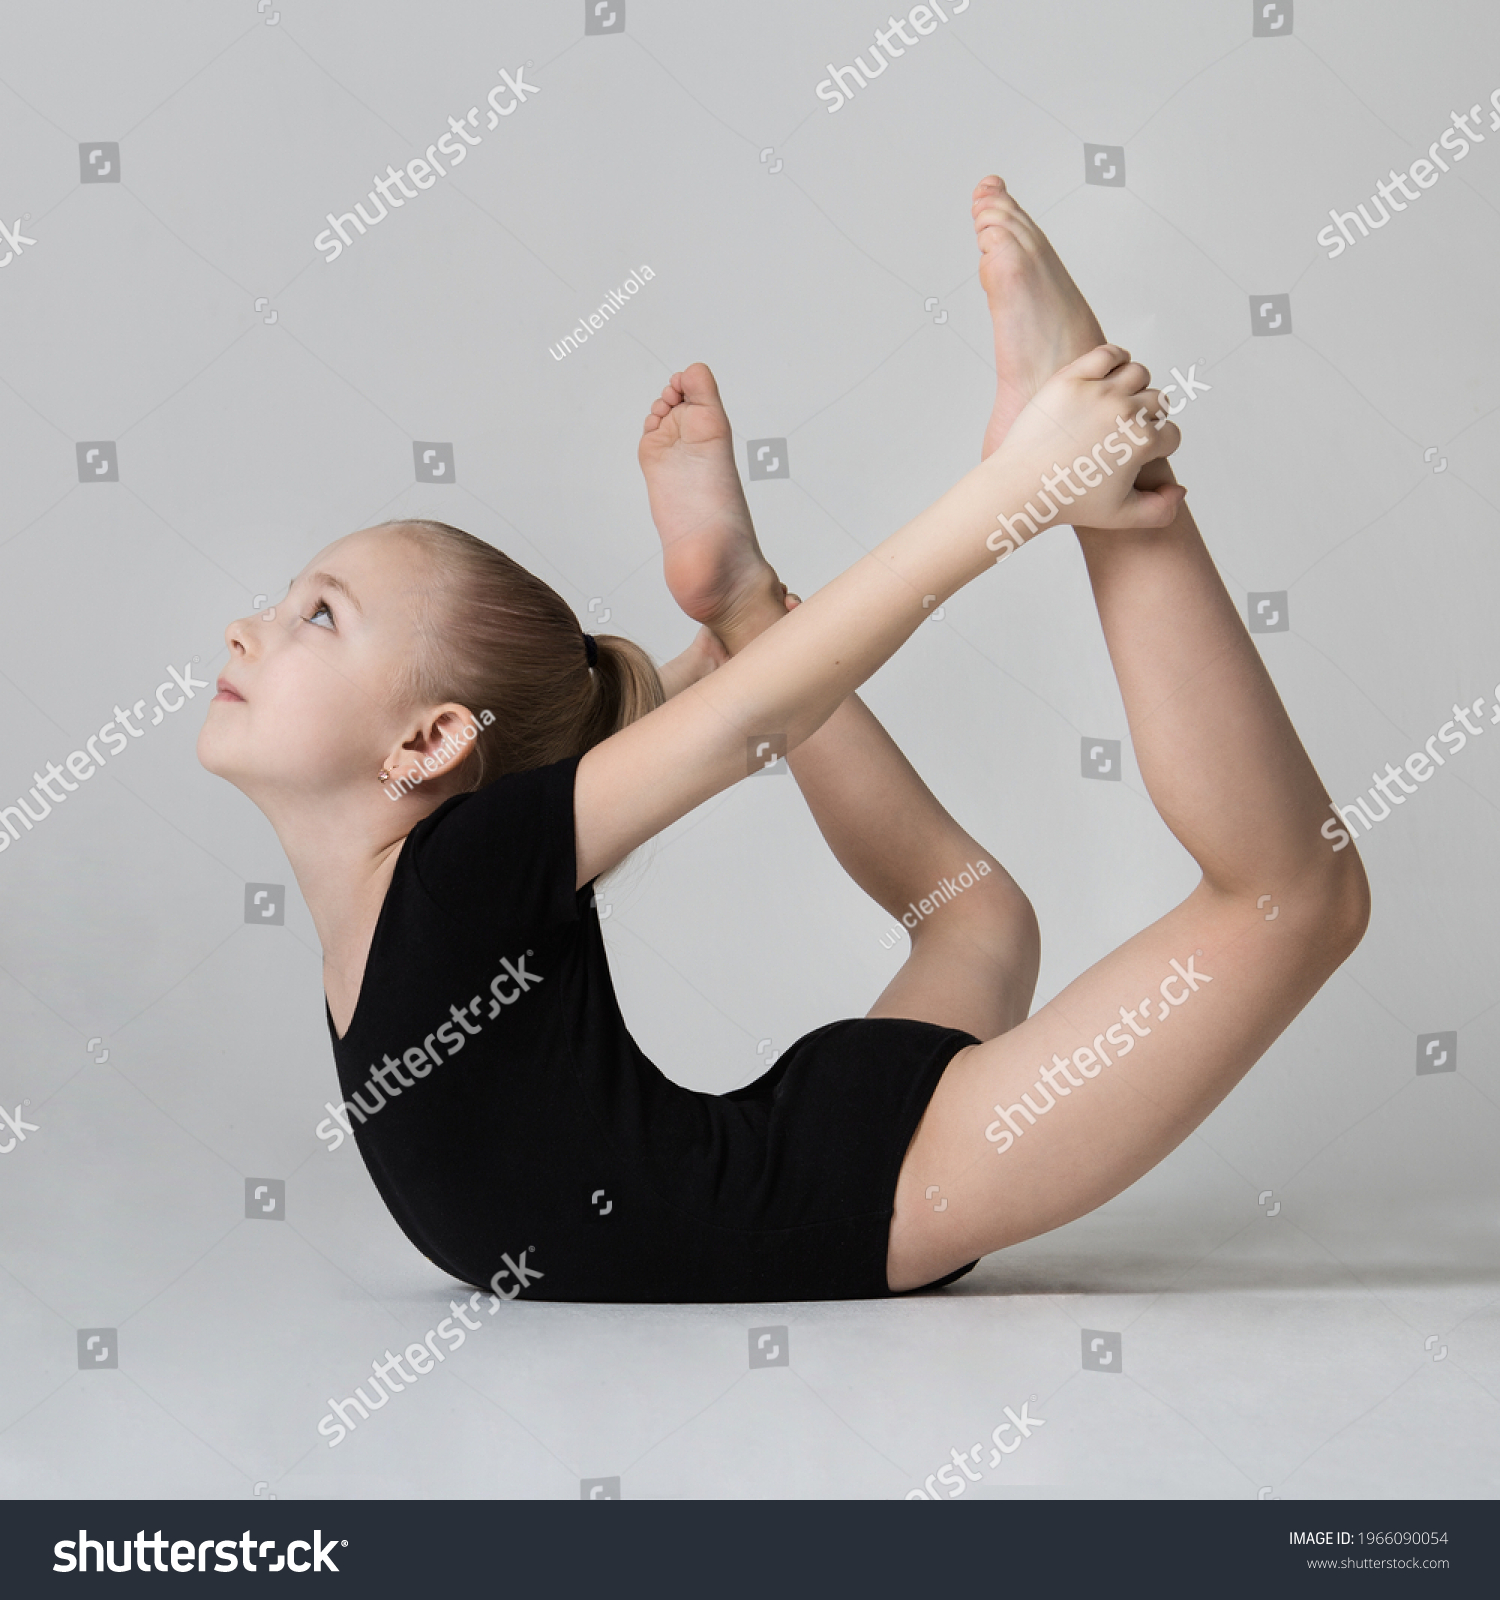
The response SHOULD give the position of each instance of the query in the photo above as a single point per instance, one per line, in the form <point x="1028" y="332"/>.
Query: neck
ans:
<point x="342" y="850"/>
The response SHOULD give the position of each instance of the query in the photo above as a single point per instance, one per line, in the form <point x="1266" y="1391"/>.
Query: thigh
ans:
<point x="1044" y="1123"/>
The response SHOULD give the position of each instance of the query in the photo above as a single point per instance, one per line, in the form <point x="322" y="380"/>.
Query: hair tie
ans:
<point x="591" y="649"/>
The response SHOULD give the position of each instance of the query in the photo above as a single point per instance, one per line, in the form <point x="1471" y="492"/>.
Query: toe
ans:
<point x="698" y="384"/>
<point x="993" y="232"/>
<point x="1000" y="219"/>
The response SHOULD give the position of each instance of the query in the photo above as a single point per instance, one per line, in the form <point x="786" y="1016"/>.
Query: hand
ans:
<point x="1072" y="456"/>
<point x="709" y="647"/>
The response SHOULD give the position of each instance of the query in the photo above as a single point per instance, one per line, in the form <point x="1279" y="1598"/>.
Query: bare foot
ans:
<point x="711" y="559"/>
<point x="1042" y="322"/>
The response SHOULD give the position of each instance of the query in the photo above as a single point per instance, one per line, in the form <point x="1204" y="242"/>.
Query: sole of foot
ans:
<point x="1041" y="320"/>
<point x="711" y="559"/>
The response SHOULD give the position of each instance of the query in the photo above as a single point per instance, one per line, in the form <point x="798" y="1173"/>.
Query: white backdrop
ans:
<point x="164" y="172"/>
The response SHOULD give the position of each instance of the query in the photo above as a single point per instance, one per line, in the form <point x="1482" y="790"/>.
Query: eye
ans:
<point x="322" y="607"/>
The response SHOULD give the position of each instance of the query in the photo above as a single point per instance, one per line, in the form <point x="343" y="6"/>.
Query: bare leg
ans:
<point x="1115" y="1074"/>
<point x="881" y="821"/>
<point x="1225" y="769"/>
<point x="973" y="964"/>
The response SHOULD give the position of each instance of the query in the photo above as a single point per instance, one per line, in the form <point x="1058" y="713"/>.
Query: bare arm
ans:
<point x="787" y="682"/>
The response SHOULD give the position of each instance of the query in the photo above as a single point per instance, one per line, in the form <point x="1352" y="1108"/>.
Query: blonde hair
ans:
<point x="493" y="636"/>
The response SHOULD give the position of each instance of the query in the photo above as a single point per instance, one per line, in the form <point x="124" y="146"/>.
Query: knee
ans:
<point x="1324" y="909"/>
<point x="996" y="916"/>
<point x="1334" y="908"/>
<point x="1020" y="959"/>
<point x="1348" y="906"/>
<point x="1018" y="917"/>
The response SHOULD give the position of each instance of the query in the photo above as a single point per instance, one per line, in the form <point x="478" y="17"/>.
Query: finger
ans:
<point x="1098" y="362"/>
<point x="1155" y="403"/>
<point x="1134" y="379"/>
<point x="1152" y="508"/>
<point x="1168" y="437"/>
<point x="1148" y="410"/>
<point x="1162" y="424"/>
<point x="1151" y="410"/>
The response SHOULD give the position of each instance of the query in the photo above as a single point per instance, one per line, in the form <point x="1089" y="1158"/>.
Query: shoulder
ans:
<point x="508" y="846"/>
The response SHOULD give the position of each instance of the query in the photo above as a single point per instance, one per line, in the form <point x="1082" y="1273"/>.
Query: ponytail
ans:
<point x="492" y="636"/>
<point x="626" y="684"/>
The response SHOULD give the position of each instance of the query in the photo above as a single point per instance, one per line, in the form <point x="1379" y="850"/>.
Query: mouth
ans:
<point x="227" y="691"/>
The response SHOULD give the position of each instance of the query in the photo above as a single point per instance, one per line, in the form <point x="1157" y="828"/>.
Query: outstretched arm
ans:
<point x="786" y="683"/>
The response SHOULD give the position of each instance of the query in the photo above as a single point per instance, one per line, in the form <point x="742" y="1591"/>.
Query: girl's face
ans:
<point x="306" y="705"/>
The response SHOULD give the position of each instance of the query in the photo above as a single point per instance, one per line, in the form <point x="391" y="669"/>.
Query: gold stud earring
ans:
<point x="384" y="775"/>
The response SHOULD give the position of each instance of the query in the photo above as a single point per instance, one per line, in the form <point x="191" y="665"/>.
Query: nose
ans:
<point x="242" y="631"/>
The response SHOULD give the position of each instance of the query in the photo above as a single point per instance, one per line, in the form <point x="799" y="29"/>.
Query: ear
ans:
<point x="438" y="745"/>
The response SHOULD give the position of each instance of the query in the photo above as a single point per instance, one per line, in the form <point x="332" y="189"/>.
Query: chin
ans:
<point x="204" y="749"/>
<point x="214" y="755"/>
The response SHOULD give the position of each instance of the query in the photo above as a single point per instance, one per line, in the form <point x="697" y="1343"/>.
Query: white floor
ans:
<point x="1255" y="1359"/>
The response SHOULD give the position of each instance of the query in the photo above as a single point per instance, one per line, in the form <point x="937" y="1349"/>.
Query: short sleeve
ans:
<point x="506" y="854"/>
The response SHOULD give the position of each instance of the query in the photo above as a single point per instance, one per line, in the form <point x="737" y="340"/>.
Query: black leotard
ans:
<point x="533" y="1148"/>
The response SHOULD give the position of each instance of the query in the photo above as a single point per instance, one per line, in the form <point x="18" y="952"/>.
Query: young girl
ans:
<point x="450" y="764"/>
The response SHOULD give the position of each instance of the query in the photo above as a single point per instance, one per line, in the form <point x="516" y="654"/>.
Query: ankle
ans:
<point x="757" y="612"/>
